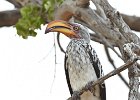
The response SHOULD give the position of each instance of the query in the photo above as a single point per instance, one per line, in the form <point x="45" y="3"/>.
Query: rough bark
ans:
<point x="132" y="21"/>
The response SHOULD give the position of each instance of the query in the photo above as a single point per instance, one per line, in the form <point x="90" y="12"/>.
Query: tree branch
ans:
<point x="9" y="18"/>
<point x="15" y="3"/>
<point x="132" y="21"/>
<point x="132" y="71"/>
<point x="112" y="63"/>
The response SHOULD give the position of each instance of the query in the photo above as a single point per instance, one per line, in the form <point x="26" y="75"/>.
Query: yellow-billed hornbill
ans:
<point x="81" y="62"/>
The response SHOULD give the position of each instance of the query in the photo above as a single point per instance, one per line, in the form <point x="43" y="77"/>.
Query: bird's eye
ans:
<point x="76" y="28"/>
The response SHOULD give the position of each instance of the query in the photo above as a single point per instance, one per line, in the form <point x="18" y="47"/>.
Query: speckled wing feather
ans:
<point x="98" y="69"/>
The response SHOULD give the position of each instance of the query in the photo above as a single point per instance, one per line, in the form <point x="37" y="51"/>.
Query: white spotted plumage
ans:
<point x="82" y="66"/>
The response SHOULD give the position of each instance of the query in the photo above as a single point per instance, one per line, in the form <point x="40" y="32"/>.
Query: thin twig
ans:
<point x="59" y="44"/>
<point x="55" y="50"/>
<point x="55" y="61"/>
<point x="117" y="53"/>
<point x="46" y="55"/>
<point x="112" y="63"/>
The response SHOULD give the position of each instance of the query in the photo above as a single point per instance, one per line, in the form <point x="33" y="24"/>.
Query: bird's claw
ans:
<point x="89" y="86"/>
<point x="75" y="96"/>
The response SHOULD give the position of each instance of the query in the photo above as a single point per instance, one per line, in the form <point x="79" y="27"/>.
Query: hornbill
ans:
<point x="81" y="62"/>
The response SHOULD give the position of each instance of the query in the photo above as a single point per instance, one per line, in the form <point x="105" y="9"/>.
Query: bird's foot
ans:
<point x="89" y="86"/>
<point x="75" y="96"/>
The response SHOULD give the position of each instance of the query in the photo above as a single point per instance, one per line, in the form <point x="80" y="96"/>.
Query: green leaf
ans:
<point x="31" y="20"/>
<point x="33" y="16"/>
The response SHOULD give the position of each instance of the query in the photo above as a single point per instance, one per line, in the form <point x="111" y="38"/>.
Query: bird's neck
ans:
<point x="80" y="40"/>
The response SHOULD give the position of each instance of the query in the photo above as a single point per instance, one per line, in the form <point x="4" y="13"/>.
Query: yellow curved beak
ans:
<point x="62" y="27"/>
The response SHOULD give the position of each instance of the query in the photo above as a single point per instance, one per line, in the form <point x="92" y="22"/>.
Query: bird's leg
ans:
<point x="89" y="86"/>
<point x="75" y="96"/>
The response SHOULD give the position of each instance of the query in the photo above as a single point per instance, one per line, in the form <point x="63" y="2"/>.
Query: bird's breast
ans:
<point x="80" y="68"/>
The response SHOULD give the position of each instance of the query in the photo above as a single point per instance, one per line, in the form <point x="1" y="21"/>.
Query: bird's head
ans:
<point x="71" y="30"/>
